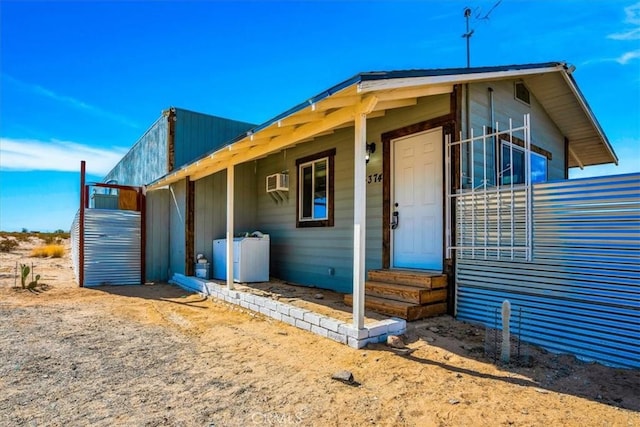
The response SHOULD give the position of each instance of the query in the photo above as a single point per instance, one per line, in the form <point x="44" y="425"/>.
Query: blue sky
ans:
<point x="83" y="80"/>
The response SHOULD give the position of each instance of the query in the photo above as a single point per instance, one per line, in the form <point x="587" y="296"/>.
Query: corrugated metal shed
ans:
<point x="147" y="159"/>
<point x="580" y="294"/>
<point x="197" y="134"/>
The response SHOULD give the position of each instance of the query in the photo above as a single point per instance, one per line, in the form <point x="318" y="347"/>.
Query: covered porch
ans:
<point x="345" y="109"/>
<point x="298" y="306"/>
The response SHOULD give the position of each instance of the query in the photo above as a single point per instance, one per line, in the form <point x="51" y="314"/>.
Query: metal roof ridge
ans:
<point x="426" y="72"/>
<point x="378" y="75"/>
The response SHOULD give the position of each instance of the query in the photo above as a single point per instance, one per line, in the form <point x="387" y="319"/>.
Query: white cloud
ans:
<point x="623" y="59"/>
<point x="70" y="101"/>
<point x="628" y="56"/>
<point x="626" y="35"/>
<point x="32" y="155"/>
<point x="632" y="16"/>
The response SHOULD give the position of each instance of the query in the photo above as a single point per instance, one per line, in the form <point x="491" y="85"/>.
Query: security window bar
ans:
<point x="492" y="221"/>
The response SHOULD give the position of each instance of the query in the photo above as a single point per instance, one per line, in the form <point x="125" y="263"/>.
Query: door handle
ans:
<point x="395" y="220"/>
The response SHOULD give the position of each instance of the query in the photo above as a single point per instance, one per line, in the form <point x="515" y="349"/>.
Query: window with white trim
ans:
<point x="512" y="165"/>
<point x="315" y="190"/>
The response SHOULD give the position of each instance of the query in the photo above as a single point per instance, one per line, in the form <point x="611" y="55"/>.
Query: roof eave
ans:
<point x="566" y="74"/>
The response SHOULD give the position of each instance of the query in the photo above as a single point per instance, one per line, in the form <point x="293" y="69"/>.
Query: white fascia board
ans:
<point x="386" y="84"/>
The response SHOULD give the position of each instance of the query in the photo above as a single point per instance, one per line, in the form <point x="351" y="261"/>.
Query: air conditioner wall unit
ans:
<point x="277" y="182"/>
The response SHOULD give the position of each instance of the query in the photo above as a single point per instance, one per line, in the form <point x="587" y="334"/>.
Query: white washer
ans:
<point x="250" y="259"/>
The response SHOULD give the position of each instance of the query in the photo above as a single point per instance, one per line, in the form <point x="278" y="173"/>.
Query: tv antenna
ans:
<point x="480" y="17"/>
<point x="468" y="34"/>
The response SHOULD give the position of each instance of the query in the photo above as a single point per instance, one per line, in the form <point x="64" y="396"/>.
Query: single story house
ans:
<point x="415" y="175"/>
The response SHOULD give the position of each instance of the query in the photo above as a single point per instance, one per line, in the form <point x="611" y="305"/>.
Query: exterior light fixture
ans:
<point x="371" y="148"/>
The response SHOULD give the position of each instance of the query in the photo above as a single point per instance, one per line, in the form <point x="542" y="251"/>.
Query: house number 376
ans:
<point x="376" y="177"/>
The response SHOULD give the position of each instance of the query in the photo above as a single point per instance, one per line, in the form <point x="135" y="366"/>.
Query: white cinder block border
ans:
<point x="301" y="318"/>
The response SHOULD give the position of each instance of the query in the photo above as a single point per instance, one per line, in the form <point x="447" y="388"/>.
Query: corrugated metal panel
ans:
<point x="75" y="245"/>
<point x="580" y="294"/>
<point x="492" y="224"/>
<point x="112" y="247"/>
<point x="147" y="159"/>
<point x="197" y="134"/>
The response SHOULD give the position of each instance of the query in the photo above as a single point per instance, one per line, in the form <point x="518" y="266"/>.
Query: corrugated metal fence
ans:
<point x="580" y="293"/>
<point x="112" y="247"/>
<point x="75" y="245"/>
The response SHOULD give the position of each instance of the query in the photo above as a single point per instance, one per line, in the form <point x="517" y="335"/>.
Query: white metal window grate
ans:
<point x="493" y="213"/>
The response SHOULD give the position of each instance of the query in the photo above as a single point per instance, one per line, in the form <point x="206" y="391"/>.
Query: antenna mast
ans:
<point x="467" y="35"/>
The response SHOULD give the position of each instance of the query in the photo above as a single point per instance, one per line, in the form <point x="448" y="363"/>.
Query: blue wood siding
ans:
<point x="197" y="134"/>
<point x="177" y="235"/>
<point x="544" y="133"/>
<point x="211" y="207"/>
<point x="157" y="236"/>
<point x="323" y="257"/>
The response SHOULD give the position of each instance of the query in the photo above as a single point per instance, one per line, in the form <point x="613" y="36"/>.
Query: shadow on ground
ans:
<point x="159" y="291"/>
<point x="544" y="371"/>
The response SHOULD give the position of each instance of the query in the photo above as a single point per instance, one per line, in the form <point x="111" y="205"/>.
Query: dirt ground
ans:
<point x="156" y="355"/>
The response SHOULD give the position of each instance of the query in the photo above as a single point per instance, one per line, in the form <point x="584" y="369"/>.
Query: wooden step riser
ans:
<point x="414" y="295"/>
<point x="408" y="313"/>
<point x="407" y="278"/>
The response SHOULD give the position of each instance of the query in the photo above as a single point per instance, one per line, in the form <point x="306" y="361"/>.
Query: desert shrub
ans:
<point x="7" y="245"/>
<point x="48" y="251"/>
<point x="50" y="239"/>
<point x="22" y="237"/>
<point x="53" y="238"/>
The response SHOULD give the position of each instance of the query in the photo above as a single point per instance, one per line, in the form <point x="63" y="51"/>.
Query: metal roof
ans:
<point x="375" y="92"/>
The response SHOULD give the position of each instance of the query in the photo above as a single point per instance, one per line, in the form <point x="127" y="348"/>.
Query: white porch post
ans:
<point x="230" y="197"/>
<point x="359" y="218"/>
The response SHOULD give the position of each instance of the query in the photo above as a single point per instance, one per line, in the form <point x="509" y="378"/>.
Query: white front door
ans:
<point x="417" y="198"/>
